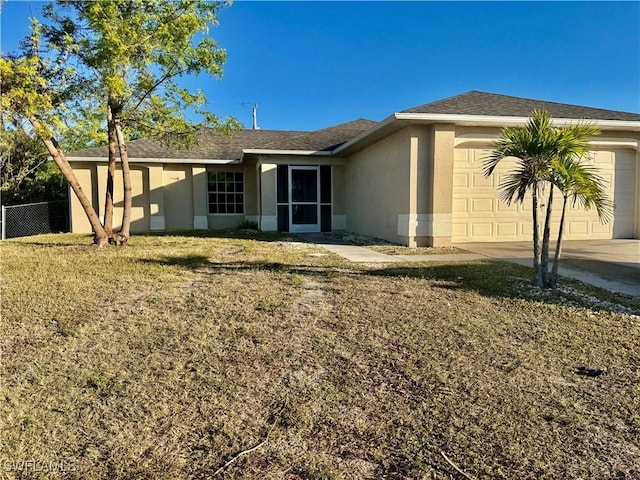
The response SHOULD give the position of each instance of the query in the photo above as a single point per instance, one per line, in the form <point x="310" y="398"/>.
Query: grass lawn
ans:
<point x="399" y="250"/>
<point x="225" y="357"/>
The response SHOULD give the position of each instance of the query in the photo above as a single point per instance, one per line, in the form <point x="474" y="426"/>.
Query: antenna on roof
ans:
<point x="254" y="114"/>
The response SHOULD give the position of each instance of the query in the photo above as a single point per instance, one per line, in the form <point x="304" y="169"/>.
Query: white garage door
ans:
<point x="479" y="215"/>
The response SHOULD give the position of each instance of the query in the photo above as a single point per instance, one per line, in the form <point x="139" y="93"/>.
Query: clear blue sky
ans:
<point x="314" y="64"/>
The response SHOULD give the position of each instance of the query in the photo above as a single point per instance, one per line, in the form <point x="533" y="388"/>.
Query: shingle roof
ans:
<point x="213" y="145"/>
<point x="481" y="103"/>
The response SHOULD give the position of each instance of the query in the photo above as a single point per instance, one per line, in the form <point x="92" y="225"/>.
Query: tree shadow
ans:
<point x="487" y="278"/>
<point x="240" y="234"/>
<point x="507" y="280"/>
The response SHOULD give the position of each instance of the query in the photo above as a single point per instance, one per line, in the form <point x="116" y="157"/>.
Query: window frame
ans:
<point x="213" y="189"/>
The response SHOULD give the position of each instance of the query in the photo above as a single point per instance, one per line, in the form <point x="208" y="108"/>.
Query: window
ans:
<point x="226" y="192"/>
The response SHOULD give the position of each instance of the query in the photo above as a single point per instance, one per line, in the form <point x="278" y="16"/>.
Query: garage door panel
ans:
<point x="459" y="205"/>
<point x="482" y="230"/>
<point x="479" y="214"/>
<point x="481" y="205"/>
<point x="505" y="229"/>
<point x="602" y="159"/>
<point x="599" y="228"/>
<point x="502" y="207"/>
<point x="478" y="180"/>
<point x="460" y="230"/>
<point x="461" y="180"/>
<point x="577" y="227"/>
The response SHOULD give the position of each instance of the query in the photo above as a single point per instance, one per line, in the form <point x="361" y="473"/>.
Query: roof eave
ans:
<point x="206" y="161"/>
<point x="503" y="120"/>
<point x="266" y="151"/>
<point x="397" y="121"/>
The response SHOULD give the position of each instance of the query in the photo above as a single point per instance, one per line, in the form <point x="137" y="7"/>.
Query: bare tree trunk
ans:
<point x="553" y="280"/>
<point x="100" y="236"/>
<point x="123" y="236"/>
<point x="544" y="254"/>
<point x="537" y="280"/>
<point x="111" y="170"/>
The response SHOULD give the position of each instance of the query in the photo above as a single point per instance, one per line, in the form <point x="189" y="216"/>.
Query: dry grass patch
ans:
<point x="169" y="358"/>
<point x="400" y="250"/>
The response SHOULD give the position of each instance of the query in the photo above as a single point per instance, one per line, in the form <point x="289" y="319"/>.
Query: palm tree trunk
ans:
<point x="553" y="280"/>
<point x="123" y="236"/>
<point x="537" y="279"/>
<point x="100" y="236"/>
<point x="111" y="170"/>
<point x="544" y="255"/>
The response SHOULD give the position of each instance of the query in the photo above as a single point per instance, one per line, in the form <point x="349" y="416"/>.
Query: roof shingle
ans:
<point x="214" y="145"/>
<point x="482" y="103"/>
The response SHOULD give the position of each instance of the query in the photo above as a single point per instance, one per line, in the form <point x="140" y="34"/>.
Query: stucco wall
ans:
<point x="165" y="196"/>
<point x="86" y="174"/>
<point x="377" y="187"/>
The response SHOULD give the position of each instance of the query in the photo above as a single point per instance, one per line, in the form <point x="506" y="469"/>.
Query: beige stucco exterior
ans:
<point x="166" y="196"/>
<point x="424" y="185"/>
<point x="377" y="188"/>
<point x="417" y="184"/>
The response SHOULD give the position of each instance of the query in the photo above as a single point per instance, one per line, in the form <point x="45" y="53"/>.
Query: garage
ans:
<point x="479" y="215"/>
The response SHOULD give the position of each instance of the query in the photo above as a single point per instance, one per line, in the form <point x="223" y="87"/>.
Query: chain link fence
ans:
<point x="34" y="219"/>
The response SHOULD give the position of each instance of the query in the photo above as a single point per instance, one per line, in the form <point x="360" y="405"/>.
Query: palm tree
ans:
<point x="533" y="146"/>
<point x="571" y="145"/>
<point x="580" y="183"/>
<point x="547" y="156"/>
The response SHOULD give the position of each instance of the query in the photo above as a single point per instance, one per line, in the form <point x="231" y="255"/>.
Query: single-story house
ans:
<point x="414" y="178"/>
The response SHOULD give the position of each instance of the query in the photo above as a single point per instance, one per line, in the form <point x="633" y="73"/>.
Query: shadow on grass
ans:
<point x="241" y="234"/>
<point x="507" y="280"/>
<point x="487" y="278"/>
<point x="86" y="240"/>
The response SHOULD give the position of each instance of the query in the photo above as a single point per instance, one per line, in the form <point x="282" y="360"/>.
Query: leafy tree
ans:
<point x="20" y="158"/>
<point x="547" y="156"/>
<point x="26" y="173"/>
<point x="33" y="94"/>
<point x="126" y="56"/>
<point x="135" y="51"/>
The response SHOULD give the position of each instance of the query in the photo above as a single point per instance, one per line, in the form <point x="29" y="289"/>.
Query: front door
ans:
<point x="304" y="205"/>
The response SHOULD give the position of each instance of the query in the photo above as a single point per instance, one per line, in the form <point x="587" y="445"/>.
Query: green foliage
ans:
<point x="20" y="156"/>
<point x="45" y="184"/>
<point x="583" y="185"/>
<point x="548" y="156"/>
<point x="135" y="51"/>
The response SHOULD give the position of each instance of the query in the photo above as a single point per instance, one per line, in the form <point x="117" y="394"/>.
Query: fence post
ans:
<point x="4" y="222"/>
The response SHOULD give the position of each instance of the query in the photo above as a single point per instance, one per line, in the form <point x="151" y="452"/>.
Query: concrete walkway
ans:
<point x="610" y="264"/>
<point x="358" y="254"/>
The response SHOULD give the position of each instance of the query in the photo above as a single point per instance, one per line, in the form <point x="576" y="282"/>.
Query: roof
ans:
<point x="214" y="145"/>
<point x="351" y="136"/>
<point x="493" y="104"/>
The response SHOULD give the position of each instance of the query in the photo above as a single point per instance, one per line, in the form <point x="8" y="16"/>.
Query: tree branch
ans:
<point x="155" y="85"/>
<point x="461" y="472"/>
<point x="254" y="448"/>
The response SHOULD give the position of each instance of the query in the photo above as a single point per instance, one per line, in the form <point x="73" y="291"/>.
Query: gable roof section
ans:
<point x="214" y="145"/>
<point x="493" y="104"/>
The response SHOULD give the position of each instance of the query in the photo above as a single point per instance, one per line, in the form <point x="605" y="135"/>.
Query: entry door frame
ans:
<point x="304" y="228"/>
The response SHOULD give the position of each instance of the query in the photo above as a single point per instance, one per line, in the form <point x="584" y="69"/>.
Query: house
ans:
<point x="414" y="178"/>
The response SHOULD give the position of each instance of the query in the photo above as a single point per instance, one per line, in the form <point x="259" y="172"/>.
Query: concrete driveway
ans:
<point x="610" y="264"/>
